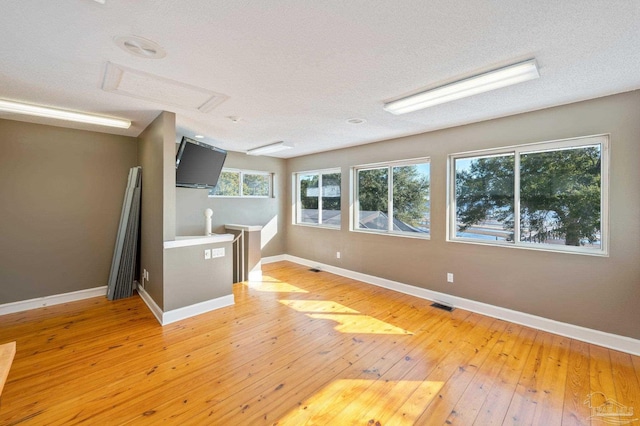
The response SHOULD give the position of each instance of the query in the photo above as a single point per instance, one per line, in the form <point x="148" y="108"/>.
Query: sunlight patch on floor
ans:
<point x="359" y="401"/>
<point x="272" y="285"/>
<point x="309" y="306"/>
<point x="348" y="320"/>
<point x="358" y="323"/>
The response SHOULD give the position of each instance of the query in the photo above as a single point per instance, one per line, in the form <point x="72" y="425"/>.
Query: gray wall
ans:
<point x="190" y="279"/>
<point x="596" y="292"/>
<point x="61" y="193"/>
<point x="191" y="204"/>
<point x="157" y="158"/>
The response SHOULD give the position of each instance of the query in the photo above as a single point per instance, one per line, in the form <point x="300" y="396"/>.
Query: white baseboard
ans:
<point x="57" y="299"/>
<point x="608" y="340"/>
<point x="196" y="309"/>
<point x="174" y="315"/>
<point x="153" y="307"/>
<point x="273" y="259"/>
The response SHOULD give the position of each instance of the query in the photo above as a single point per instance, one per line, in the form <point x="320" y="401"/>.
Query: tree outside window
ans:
<point x="242" y="183"/>
<point x="255" y="185"/>
<point x="394" y="198"/>
<point x="228" y="185"/>
<point x="548" y="195"/>
<point x="318" y="198"/>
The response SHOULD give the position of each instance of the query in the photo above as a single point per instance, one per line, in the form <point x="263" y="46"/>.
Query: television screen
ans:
<point x="198" y="165"/>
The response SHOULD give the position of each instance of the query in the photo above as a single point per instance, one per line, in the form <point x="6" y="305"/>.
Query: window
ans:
<point x="318" y="198"/>
<point x="549" y="196"/>
<point x="242" y="183"/>
<point x="393" y="198"/>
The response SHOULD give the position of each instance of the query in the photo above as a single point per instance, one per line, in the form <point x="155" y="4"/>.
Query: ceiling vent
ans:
<point x="137" y="84"/>
<point x="140" y="47"/>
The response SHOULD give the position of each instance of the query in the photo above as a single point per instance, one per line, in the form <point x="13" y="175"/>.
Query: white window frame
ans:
<point x="584" y="141"/>
<point x="243" y="172"/>
<point x="355" y="210"/>
<point x="297" y="204"/>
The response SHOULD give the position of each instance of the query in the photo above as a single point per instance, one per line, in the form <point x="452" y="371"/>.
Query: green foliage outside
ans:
<point x="331" y="181"/>
<point x="307" y="201"/>
<point x="255" y="185"/>
<point x="410" y="193"/>
<point x="373" y="190"/>
<point x="309" y="193"/>
<point x="559" y="194"/>
<point x="228" y="184"/>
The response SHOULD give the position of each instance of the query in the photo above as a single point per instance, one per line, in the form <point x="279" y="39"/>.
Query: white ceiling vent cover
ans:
<point x="140" y="47"/>
<point x="137" y="84"/>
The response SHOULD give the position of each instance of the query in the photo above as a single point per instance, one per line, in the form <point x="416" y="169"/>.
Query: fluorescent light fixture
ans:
<point x="491" y="80"/>
<point x="60" y="114"/>
<point x="271" y="148"/>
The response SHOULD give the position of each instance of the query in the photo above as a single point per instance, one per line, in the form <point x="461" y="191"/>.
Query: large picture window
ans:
<point x="242" y="183"/>
<point x="549" y="196"/>
<point x="393" y="198"/>
<point x="318" y="198"/>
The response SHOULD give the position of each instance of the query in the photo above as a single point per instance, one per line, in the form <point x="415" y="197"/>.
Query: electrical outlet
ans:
<point x="449" y="277"/>
<point x="217" y="252"/>
<point x="337" y="255"/>
<point x="207" y="254"/>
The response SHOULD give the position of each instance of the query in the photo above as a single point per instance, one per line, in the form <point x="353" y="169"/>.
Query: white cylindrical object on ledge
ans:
<point x="207" y="221"/>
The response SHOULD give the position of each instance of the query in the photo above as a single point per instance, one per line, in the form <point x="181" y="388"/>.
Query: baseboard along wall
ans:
<point x="174" y="315"/>
<point x="57" y="299"/>
<point x="163" y="318"/>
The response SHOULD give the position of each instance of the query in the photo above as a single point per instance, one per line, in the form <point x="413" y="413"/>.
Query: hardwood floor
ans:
<point x="305" y="348"/>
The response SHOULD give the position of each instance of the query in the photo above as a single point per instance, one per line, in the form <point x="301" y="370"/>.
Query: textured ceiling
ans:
<point x="297" y="70"/>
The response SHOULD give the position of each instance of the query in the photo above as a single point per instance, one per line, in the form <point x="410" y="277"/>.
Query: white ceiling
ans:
<point x="296" y="70"/>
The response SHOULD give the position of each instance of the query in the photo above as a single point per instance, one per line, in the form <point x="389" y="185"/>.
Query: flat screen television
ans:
<point x="198" y="165"/>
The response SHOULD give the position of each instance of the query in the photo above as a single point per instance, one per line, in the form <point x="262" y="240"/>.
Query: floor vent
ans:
<point x="314" y="270"/>
<point x="442" y="306"/>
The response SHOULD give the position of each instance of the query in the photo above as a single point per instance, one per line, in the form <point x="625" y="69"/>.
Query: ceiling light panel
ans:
<point x="502" y="77"/>
<point x="269" y="149"/>
<point x="60" y="114"/>
<point x="137" y="84"/>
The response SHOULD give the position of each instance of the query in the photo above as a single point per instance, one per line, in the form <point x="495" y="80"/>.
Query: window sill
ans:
<point x="568" y="250"/>
<point x="416" y="236"/>
<point x="240" y="197"/>
<point x="312" y="225"/>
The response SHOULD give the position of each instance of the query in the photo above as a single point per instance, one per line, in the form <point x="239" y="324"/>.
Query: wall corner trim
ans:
<point x="596" y="337"/>
<point x="56" y="299"/>
<point x="165" y="318"/>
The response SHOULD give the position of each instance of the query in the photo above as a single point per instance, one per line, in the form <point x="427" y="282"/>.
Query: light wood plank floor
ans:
<point x="305" y="348"/>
